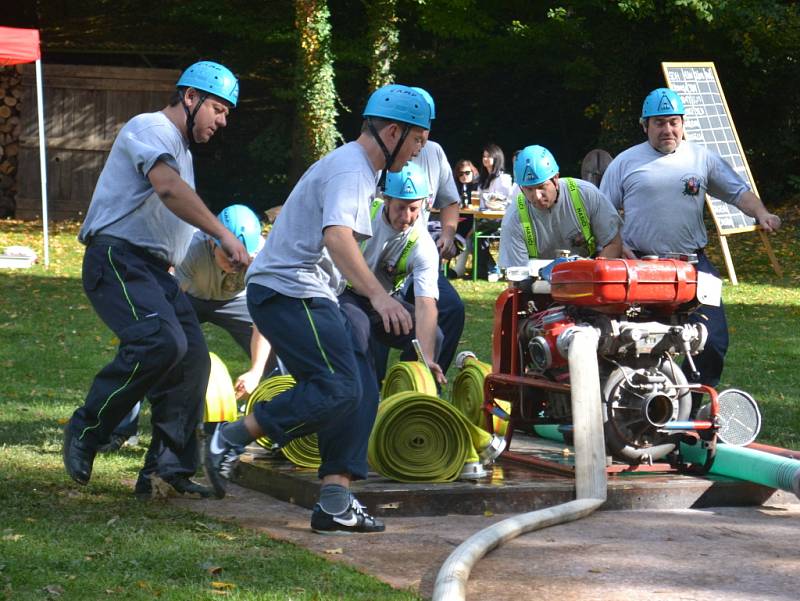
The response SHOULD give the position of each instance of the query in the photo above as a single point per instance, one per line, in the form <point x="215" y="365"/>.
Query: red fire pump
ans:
<point x="640" y="309"/>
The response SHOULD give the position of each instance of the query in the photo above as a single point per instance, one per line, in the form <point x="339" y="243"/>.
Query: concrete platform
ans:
<point x="512" y="487"/>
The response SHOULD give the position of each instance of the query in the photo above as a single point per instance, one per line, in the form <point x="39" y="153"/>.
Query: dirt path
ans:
<point x="732" y="553"/>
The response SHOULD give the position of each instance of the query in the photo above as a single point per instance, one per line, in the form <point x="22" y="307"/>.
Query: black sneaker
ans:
<point x="181" y="485"/>
<point x="78" y="456"/>
<point x="221" y="458"/>
<point x="354" y="519"/>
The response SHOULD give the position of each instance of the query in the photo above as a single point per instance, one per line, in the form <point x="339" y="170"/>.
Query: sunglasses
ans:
<point x="467" y="172"/>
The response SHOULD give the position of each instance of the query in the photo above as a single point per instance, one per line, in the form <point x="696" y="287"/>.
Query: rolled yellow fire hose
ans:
<point x="303" y="452"/>
<point x="220" y="395"/>
<point x="418" y="437"/>
<point x="467" y="394"/>
<point x="405" y="376"/>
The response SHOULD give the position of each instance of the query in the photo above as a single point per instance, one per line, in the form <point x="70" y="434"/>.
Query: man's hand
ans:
<point x="437" y="373"/>
<point x="395" y="318"/>
<point x="627" y="253"/>
<point x="246" y="383"/>
<point x="447" y="245"/>
<point x="237" y="253"/>
<point x="769" y="222"/>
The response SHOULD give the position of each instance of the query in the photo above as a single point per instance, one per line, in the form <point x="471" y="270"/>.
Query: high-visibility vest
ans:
<point x="580" y="213"/>
<point x="400" y="268"/>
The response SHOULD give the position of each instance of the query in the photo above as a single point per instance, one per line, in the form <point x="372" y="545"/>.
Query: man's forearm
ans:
<point x="449" y="218"/>
<point x="259" y="351"/>
<point x="179" y="198"/>
<point x="350" y="262"/>
<point x="426" y="314"/>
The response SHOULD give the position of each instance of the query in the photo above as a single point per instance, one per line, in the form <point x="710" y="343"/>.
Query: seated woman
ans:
<point x="466" y="175"/>
<point x="494" y="187"/>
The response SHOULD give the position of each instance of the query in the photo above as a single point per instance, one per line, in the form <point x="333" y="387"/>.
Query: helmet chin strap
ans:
<point x="190" y="115"/>
<point x="389" y="157"/>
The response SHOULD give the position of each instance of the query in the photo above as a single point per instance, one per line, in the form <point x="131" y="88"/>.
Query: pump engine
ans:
<point x="640" y="309"/>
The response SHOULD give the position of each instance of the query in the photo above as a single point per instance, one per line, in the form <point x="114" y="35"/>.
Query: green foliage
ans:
<point x="384" y="38"/>
<point x="316" y="133"/>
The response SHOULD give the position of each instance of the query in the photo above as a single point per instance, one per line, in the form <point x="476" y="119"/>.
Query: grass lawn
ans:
<point x="61" y="541"/>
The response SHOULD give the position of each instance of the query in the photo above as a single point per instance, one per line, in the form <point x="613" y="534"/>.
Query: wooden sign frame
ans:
<point x="700" y="72"/>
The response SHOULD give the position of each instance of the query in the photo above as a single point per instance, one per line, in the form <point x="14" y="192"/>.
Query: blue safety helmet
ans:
<point x="429" y="99"/>
<point x="244" y="224"/>
<point x="396" y="102"/>
<point x="662" y="102"/>
<point x="534" y="165"/>
<point x="213" y="78"/>
<point x="410" y="183"/>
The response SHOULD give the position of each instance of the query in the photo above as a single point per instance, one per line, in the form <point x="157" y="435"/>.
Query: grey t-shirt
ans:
<point x="124" y="203"/>
<point x="383" y="250"/>
<point x="442" y="186"/>
<point x="663" y="195"/>
<point x="558" y="228"/>
<point x="200" y="276"/>
<point x="336" y="190"/>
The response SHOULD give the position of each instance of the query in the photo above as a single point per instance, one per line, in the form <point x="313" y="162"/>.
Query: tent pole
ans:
<point x="42" y="160"/>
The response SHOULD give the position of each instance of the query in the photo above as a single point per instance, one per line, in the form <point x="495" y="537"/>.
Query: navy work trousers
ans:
<point x="335" y="396"/>
<point x="162" y="355"/>
<point x="712" y="359"/>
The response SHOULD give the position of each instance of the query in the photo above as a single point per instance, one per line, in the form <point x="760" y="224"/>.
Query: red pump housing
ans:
<point x="612" y="285"/>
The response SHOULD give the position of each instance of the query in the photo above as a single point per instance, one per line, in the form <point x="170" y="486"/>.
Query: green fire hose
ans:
<point x="303" y="452"/>
<point x="731" y="461"/>
<point x="763" y="468"/>
<point x="404" y="376"/>
<point x="421" y="438"/>
<point x="467" y="393"/>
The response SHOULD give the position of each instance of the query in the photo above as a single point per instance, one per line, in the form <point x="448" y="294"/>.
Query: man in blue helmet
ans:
<point x="553" y="213"/>
<point x="291" y="293"/>
<point x="216" y="290"/>
<point x="141" y="219"/>
<point x="661" y="185"/>
<point x="443" y="195"/>
<point x="401" y="249"/>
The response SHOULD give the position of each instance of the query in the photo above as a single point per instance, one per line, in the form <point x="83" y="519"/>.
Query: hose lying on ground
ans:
<point x="220" y="394"/>
<point x="303" y="452"/>
<point x="467" y="393"/>
<point x="405" y="376"/>
<point x="419" y="438"/>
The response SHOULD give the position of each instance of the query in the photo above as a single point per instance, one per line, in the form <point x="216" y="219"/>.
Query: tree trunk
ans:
<point x="315" y="132"/>
<point x="384" y="39"/>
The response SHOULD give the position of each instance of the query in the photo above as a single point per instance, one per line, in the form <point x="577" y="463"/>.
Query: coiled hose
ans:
<point x="303" y="452"/>
<point x="405" y="376"/>
<point x="421" y="438"/>
<point x="220" y="394"/>
<point x="467" y="393"/>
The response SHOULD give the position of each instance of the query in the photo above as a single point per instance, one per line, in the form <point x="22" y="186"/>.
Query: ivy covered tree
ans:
<point x="315" y="132"/>
<point x="384" y="38"/>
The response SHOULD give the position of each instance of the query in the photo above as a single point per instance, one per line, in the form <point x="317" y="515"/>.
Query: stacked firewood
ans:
<point x="10" y="106"/>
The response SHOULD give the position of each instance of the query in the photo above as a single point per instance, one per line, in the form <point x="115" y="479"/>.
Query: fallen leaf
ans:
<point x="214" y="570"/>
<point x="220" y="586"/>
<point x="13" y="537"/>
<point x="54" y="590"/>
<point x="336" y="551"/>
<point x="112" y="520"/>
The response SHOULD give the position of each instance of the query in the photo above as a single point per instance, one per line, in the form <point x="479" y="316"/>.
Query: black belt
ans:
<point x="142" y="253"/>
<point x="699" y="252"/>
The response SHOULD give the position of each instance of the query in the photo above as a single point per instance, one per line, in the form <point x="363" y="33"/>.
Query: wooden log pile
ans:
<point x="10" y="107"/>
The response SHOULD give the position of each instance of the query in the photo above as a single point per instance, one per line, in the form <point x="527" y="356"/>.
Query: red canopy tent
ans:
<point x="22" y="46"/>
